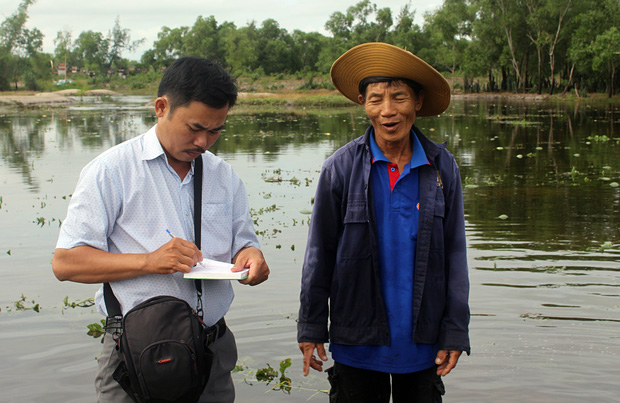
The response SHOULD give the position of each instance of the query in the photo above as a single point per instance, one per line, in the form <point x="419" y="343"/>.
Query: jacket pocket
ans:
<point x="355" y="240"/>
<point x="437" y="236"/>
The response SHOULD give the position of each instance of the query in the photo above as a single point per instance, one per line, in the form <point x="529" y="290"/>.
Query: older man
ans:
<point x="386" y="255"/>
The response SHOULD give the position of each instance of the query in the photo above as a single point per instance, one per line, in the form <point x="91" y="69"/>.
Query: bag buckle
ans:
<point x="114" y="326"/>
<point x="211" y="334"/>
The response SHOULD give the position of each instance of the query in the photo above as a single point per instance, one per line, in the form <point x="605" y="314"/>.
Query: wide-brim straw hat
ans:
<point x="383" y="59"/>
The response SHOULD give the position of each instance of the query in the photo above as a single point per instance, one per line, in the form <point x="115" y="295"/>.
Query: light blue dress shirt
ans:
<point x="129" y="195"/>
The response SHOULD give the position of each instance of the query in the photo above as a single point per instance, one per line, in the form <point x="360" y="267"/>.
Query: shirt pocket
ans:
<point x="217" y="233"/>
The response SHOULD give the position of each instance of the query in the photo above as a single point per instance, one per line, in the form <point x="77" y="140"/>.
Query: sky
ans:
<point x="145" y="18"/>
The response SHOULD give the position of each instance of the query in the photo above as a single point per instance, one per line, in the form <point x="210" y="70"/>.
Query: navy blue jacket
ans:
<point x="341" y="276"/>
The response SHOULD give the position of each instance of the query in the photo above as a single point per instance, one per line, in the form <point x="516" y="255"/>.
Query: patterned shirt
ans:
<point x="129" y="195"/>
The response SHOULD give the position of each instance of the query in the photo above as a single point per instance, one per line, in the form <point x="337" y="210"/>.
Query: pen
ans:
<point x="169" y="233"/>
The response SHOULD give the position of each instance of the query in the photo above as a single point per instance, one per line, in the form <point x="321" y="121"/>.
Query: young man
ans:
<point x="126" y="199"/>
<point x="386" y="254"/>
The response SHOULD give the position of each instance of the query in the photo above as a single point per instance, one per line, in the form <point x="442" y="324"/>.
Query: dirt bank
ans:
<point x="56" y="98"/>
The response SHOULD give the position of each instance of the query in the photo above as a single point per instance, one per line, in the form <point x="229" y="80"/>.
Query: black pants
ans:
<point x="355" y="385"/>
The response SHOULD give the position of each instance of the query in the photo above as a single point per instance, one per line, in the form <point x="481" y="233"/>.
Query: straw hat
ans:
<point x="383" y="59"/>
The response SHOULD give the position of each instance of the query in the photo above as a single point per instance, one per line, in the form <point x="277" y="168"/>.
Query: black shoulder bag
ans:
<point x="163" y="342"/>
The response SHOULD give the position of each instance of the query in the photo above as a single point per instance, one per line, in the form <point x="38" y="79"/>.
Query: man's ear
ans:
<point x="360" y="98"/>
<point x="419" y="100"/>
<point x="161" y="105"/>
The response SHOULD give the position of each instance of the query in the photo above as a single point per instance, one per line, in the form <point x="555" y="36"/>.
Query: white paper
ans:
<point x="213" y="270"/>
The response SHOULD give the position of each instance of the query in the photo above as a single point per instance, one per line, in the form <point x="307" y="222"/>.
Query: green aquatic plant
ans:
<point x="96" y="330"/>
<point x="87" y="303"/>
<point x="598" y="139"/>
<point x="268" y="374"/>
<point x="23" y="305"/>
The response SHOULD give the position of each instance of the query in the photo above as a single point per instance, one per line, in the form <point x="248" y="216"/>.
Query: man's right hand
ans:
<point x="176" y="255"/>
<point x="310" y="360"/>
<point x="85" y="264"/>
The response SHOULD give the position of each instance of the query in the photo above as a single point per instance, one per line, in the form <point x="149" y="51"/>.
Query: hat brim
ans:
<point x="382" y="59"/>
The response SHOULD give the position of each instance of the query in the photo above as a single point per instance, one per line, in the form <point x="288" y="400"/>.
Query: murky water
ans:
<point x="542" y="207"/>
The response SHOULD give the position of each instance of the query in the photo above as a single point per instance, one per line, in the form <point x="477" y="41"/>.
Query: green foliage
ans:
<point x="23" y="305"/>
<point x="96" y="330"/>
<point x="268" y="374"/>
<point x="492" y="45"/>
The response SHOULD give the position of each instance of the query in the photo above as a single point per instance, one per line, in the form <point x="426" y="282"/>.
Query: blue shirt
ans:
<point x="396" y="200"/>
<point x="129" y="195"/>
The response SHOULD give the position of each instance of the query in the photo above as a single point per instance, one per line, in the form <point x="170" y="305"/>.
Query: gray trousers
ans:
<point x="219" y="389"/>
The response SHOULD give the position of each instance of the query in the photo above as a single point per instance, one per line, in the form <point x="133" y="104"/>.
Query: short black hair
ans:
<point x="363" y="85"/>
<point x="198" y="79"/>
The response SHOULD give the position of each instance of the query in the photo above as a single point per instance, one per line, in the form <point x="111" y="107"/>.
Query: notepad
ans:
<point x="213" y="270"/>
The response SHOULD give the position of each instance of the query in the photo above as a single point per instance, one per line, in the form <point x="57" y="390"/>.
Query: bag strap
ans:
<point x="111" y="302"/>
<point x="197" y="221"/>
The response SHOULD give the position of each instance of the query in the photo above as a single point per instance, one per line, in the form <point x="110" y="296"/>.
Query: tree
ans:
<point x="405" y="33"/>
<point x="562" y="9"/>
<point x="91" y="49"/>
<point x="451" y="28"/>
<point x="119" y="40"/>
<point x="513" y="21"/>
<point x="594" y="19"/>
<point x="242" y="48"/>
<point x="203" y="39"/>
<point x="14" y="44"/>
<point x="275" y="48"/>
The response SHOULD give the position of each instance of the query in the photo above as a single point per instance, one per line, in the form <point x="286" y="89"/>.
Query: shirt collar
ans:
<point x="418" y="157"/>
<point x="151" y="146"/>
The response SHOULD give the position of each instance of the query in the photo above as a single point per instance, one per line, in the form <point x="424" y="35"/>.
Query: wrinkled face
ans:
<point x="392" y="111"/>
<point x="189" y="130"/>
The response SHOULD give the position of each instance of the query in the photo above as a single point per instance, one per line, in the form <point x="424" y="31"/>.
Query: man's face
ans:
<point x="189" y="130"/>
<point x="392" y="111"/>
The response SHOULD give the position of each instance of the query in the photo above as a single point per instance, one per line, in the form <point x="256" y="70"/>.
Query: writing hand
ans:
<point x="310" y="360"/>
<point x="177" y="255"/>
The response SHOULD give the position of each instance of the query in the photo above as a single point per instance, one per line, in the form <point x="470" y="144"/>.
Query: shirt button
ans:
<point x="392" y="169"/>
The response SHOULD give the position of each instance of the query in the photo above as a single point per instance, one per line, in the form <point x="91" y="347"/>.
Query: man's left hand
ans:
<point x="253" y="258"/>
<point x="446" y="360"/>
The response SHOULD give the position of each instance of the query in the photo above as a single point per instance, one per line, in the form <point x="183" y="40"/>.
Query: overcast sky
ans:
<point x="145" y="18"/>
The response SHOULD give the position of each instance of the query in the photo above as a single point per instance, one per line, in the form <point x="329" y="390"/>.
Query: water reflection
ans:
<point x="542" y="207"/>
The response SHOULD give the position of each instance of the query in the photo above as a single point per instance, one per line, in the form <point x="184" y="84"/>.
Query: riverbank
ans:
<point x="54" y="99"/>
<point x="307" y="98"/>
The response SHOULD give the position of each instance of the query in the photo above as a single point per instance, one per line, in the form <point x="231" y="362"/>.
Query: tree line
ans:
<point x="542" y="46"/>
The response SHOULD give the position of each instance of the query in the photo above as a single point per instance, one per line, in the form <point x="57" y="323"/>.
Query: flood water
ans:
<point x="542" y="206"/>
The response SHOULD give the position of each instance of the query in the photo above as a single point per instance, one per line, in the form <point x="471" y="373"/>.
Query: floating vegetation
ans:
<point x="23" y="305"/>
<point x="263" y="210"/>
<point x="96" y="330"/>
<point x="268" y="374"/>
<point x="539" y="316"/>
<point x="598" y="139"/>
<point x="87" y="303"/>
